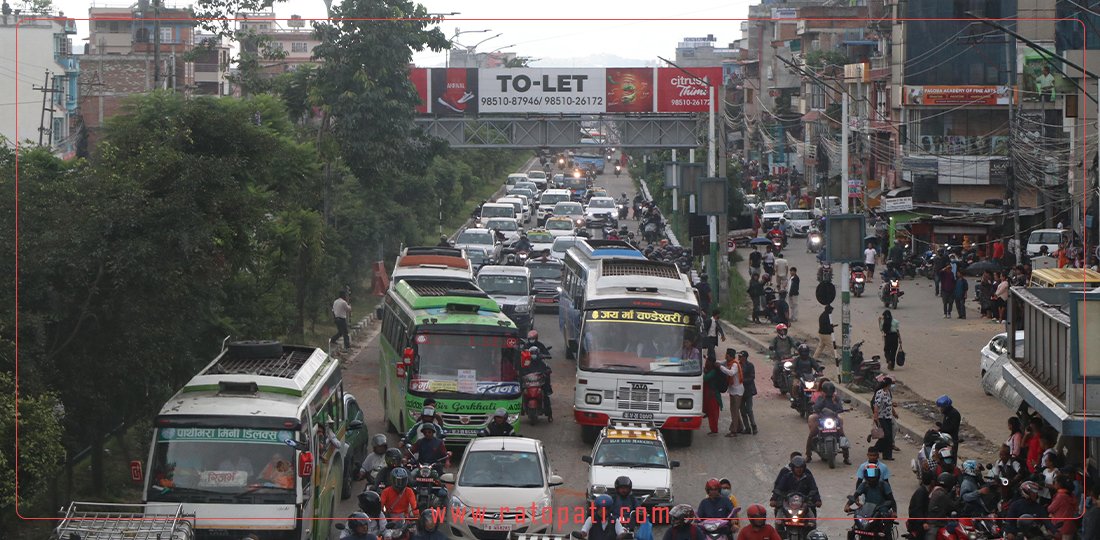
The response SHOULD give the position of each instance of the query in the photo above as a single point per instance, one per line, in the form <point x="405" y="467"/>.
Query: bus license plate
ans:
<point x="638" y="415"/>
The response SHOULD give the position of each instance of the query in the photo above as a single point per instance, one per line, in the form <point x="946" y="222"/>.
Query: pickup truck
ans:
<point x="585" y="160"/>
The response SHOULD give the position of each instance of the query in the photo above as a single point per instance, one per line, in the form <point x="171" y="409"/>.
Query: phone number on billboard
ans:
<point x="702" y="102"/>
<point x="493" y="101"/>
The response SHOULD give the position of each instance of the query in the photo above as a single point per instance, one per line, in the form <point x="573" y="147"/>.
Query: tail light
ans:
<point x="406" y="361"/>
<point x="525" y="359"/>
<point x="305" y="464"/>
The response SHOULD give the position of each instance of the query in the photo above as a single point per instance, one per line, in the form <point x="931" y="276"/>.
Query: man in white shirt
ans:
<point x="341" y="312"/>
<point x="869" y="260"/>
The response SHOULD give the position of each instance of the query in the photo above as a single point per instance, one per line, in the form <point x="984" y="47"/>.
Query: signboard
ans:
<point x="467" y="381"/>
<point x="680" y="92"/>
<point x="630" y="90"/>
<point x="855" y="187"/>
<point x="896" y="204"/>
<point x="957" y="95"/>
<point x="526" y="90"/>
<point x="844" y="243"/>
<point x="419" y="78"/>
<point x="784" y="13"/>
<point x="453" y="91"/>
<point x="712" y="197"/>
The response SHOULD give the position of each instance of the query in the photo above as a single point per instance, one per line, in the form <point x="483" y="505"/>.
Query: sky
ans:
<point x="550" y="30"/>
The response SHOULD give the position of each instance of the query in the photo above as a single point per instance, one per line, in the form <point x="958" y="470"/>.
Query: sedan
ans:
<point x="501" y="476"/>
<point x="560" y="226"/>
<point x="601" y="211"/>
<point x="998" y="346"/>
<point x="507" y="226"/>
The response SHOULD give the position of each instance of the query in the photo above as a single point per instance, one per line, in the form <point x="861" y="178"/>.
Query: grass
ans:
<point x="735" y="305"/>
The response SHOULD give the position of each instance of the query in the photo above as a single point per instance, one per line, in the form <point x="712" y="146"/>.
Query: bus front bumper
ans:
<point x="602" y="418"/>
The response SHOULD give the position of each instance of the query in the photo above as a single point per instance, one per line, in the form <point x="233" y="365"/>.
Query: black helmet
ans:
<point x="358" y="519"/>
<point x="399" y="479"/>
<point x="623" y="482"/>
<point x="680" y="514"/>
<point x="393" y="457"/>
<point x="803" y="348"/>
<point x="798" y="461"/>
<point x="429" y="519"/>
<point x="947" y="480"/>
<point x="370" y="502"/>
<point x="829" y="388"/>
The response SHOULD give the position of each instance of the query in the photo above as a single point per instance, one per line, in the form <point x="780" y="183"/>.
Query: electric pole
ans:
<point x="156" y="44"/>
<point x="47" y="90"/>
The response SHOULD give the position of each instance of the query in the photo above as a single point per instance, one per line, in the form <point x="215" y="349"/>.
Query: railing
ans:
<point x="1046" y="340"/>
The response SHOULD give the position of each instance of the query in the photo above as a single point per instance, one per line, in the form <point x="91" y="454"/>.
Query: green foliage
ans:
<point x="40" y="449"/>
<point x="819" y="58"/>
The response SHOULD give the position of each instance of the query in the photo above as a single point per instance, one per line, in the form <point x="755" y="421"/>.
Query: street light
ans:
<point x="459" y="33"/>
<point x="472" y="51"/>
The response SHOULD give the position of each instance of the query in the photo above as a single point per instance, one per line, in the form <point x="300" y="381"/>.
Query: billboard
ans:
<point x="957" y="95"/>
<point x="460" y="91"/>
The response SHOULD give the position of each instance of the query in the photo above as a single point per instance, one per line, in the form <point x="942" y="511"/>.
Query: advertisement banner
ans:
<point x="957" y="95"/>
<point x="542" y="90"/>
<point x="454" y="91"/>
<point x="630" y="90"/>
<point x="679" y="92"/>
<point x="419" y="78"/>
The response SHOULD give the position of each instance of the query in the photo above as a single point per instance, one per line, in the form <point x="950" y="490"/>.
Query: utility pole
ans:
<point x="1011" y="79"/>
<point x="845" y="292"/>
<point x="712" y="171"/>
<point x="47" y="90"/>
<point x="156" y="44"/>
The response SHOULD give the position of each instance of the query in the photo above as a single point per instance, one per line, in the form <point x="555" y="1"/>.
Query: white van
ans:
<point x="513" y="178"/>
<point x="826" y="205"/>
<point x="1051" y="238"/>
<point x="547" y="201"/>
<point x="492" y="210"/>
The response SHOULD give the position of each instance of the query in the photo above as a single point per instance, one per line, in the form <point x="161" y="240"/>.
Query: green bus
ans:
<point x="450" y="341"/>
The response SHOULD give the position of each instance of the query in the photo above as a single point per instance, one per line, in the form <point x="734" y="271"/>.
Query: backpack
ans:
<point x="721" y="383"/>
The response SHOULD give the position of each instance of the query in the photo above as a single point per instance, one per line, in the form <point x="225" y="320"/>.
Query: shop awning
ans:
<point x="1049" y="407"/>
<point x="898" y="191"/>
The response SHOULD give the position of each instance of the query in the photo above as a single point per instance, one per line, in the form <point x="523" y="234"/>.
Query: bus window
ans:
<point x="640" y="341"/>
<point x="465" y="364"/>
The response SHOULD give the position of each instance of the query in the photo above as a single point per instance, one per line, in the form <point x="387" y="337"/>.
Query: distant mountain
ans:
<point x="594" y="60"/>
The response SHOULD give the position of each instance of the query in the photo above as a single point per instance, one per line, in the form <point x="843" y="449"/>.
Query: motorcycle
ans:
<point x="618" y="170"/>
<point x="534" y="398"/>
<point x="866" y="372"/>
<point x="783" y="383"/>
<point x="430" y="492"/>
<point x="803" y="401"/>
<point x="828" y="442"/>
<point x="623" y="208"/>
<point x="871" y="520"/>
<point x="891" y="293"/>
<point x="720" y="528"/>
<point x="814" y="242"/>
<point x="795" y="518"/>
<point x="857" y="279"/>
<point x="777" y="245"/>
<point x="824" y="273"/>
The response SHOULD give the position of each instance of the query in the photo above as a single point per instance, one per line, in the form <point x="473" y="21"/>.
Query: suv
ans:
<point x="633" y="449"/>
<point x="546" y="278"/>
<point x="511" y="287"/>
<point x="547" y="201"/>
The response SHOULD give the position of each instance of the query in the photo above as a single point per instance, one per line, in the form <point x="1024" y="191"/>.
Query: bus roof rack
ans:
<point x="446" y="295"/>
<point x="445" y="288"/>
<point x="640" y="267"/>
<point x="603" y="249"/>
<point x="111" y="521"/>
<point x="433" y="250"/>
<point x="246" y="368"/>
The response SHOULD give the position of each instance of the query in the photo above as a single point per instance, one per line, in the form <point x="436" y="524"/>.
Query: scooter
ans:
<point x="795" y="518"/>
<point x="866" y="372"/>
<point x="720" y="528"/>
<point x="857" y="280"/>
<point x="871" y="520"/>
<point x="618" y="170"/>
<point x="814" y="242"/>
<point x="534" y="398"/>
<point x="891" y="293"/>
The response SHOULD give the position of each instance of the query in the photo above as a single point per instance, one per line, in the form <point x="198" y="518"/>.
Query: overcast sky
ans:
<point x="539" y="36"/>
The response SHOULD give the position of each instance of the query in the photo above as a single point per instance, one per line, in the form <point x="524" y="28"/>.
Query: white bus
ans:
<point x="631" y="318"/>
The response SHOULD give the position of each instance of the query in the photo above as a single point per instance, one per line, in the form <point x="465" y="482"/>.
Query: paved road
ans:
<point x="942" y="355"/>
<point x="751" y="462"/>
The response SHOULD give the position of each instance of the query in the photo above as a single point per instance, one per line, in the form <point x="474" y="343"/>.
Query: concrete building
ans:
<point x="211" y="64"/>
<point x="40" y="73"/>
<point x="290" y="37"/>
<point x="701" y="52"/>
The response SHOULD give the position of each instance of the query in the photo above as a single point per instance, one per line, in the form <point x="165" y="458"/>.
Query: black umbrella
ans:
<point x="979" y="267"/>
<point x="760" y="241"/>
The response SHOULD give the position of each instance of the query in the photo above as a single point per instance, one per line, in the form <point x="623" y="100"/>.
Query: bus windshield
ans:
<point x="638" y="341"/>
<point x="572" y="182"/>
<point x="202" y="464"/>
<point x="479" y="365"/>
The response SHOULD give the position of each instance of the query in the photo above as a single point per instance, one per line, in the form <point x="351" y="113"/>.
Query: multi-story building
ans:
<point x="45" y="96"/>
<point x="701" y="52"/>
<point x="211" y="64"/>
<point x="290" y="37"/>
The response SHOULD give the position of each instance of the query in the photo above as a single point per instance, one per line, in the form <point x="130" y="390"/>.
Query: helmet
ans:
<point x="429" y="519"/>
<point x="533" y="334"/>
<point x="712" y="484"/>
<point x="758" y="515"/>
<point x="804" y="349"/>
<point x="970" y="467"/>
<point x="623" y="481"/>
<point x="428" y="426"/>
<point x="947" y="480"/>
<point x="379" y="439"/>
<point x="399" y="479"/>
<point x="742" y="354"/>
<point x="829" y="388"/>
<point x="370" y="502"/>
<point x="817" y="535"/>
<point x="780" y="327"/>
<point x="798" y="461"/>
<point x="358" y="519"/>
<point x="393" y="457"/>
<point x="1029" y="488"/>
<point x="871" y="471"/>
<point x="680" y="514"/>
<point x="500" y="412"/>
<point x="944" y="401"/>
<point x="602" y="501"/>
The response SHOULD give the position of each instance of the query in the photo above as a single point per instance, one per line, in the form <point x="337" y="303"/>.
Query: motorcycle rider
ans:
<point x="393" y="459"/>
<point x="828" y="404"/>
<point x="941" y="502"/>
<point x="443" y="242"/>
<point x="377" y="457"/>
<point x="623" y="500"/>
<point x="429" y="449"/>
<point x="538" y="365"/>
<point x="1026" y="504"/>
<point x="804" y="364"/>
<point x="371" y="505"/>
<point x="523" y="244"/>
<point x="952" y="420"/>
<point x="798" y="480"/>
<point x="727" y="491"/>
<point x="601" y="524"/>
<point x="682" y="524"/>
<point x="715" y="506"/>
<point x="971" y="490"/>
<point x="533" y="341"/>
<point x="872" y="459"/>
<point x="428" y="527"/>
<point x="357" y="529"/>
<point x="498" y="426"/>
<point x="782" y="346"/>
<point x="873" y="491"/>
<point x="399" y="500"/>
<point x="427" y="416"/>
<point x="758" y="528"/>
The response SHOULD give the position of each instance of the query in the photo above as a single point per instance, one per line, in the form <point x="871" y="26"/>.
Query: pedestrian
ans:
<point x="703" y="289"/>
<point x="891" y="337"/>
<point x="825" y="329"/>
<point x="769" y="261"/>
<point x="884" y="412"/>
<point x="1001" y="300"/>
<point x="756" y="293"/>
<point x="937" y="263"/>
<point x="341" y="312"/>
<point x="781" y="275"/>
<point x="951" y="422"/>
<point x="947" y="289"/>
<point x="962" y="286"/>
<point x="792" y="292"/>
<point x="715" y="384"/>
<point x="1016" y="447"/>
<point x="1033" y="443"/>
<point x="755" y="260"/>
<point x="999" y="251"/>
<point x="748" y="376"/>
<point x="714" y="332"/>
<point x="869" y="259"/>
<point x="918" y="506"/>
<point x="736" y="389"/>
<point x="985" y="294"/>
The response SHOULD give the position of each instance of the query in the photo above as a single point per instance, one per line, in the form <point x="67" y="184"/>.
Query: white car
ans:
<point x="571" y="210"/>
<point x="560" y="226"/>
<point x="479" y="239"/>
<point x="601" y="211"/>
<point x="540" y="239"/>
<point x="800" y="221"/>
<point x="636" y="450"/>
<point x="496" y="473"/>
<point x="562" y="244"/>
<point x="998" y="346"/>
<point x="547" y="201"/>
<point x="521" y="208"/>
<point x="773" y="212"/>
<point x="507" y="226"/>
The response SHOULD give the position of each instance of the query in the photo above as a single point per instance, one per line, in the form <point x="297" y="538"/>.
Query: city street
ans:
<point x="750" y="462"/>
<point x="942" y="355"/>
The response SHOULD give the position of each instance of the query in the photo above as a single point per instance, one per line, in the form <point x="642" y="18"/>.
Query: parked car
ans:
<point x="997" y="346"/>
<point x="633" y="449"/>
<point x="500" y="473"/>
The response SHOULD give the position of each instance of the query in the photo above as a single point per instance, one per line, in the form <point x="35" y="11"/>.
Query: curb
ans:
<point x="858" y="401"/>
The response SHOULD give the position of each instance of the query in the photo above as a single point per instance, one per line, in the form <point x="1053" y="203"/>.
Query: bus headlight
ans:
<point x="599" y="490"/>
<point x="593" y="399"/>
<point x="662" y="493"/>
<point x="684" y="403"/>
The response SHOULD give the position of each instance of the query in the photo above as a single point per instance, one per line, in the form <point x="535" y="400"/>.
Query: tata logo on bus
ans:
<point x="639" y="386"/>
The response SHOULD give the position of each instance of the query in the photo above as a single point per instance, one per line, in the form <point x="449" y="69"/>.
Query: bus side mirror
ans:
<point x="305" y="464"/>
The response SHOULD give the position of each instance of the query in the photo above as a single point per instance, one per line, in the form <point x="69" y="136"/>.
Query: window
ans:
<point x="966" y="132"/>
<point x="114" y="27"/>
<point x="817" y="96"/>
<point x="299" y="47"/>
<point x="166" y="34"/>
<point x="881" y="103"/>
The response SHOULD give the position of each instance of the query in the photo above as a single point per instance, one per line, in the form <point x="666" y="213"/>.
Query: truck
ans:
<point x="595" y="161"/>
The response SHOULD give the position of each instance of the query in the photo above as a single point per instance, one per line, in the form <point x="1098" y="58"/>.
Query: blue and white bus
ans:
<point x="633" y="325"/>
